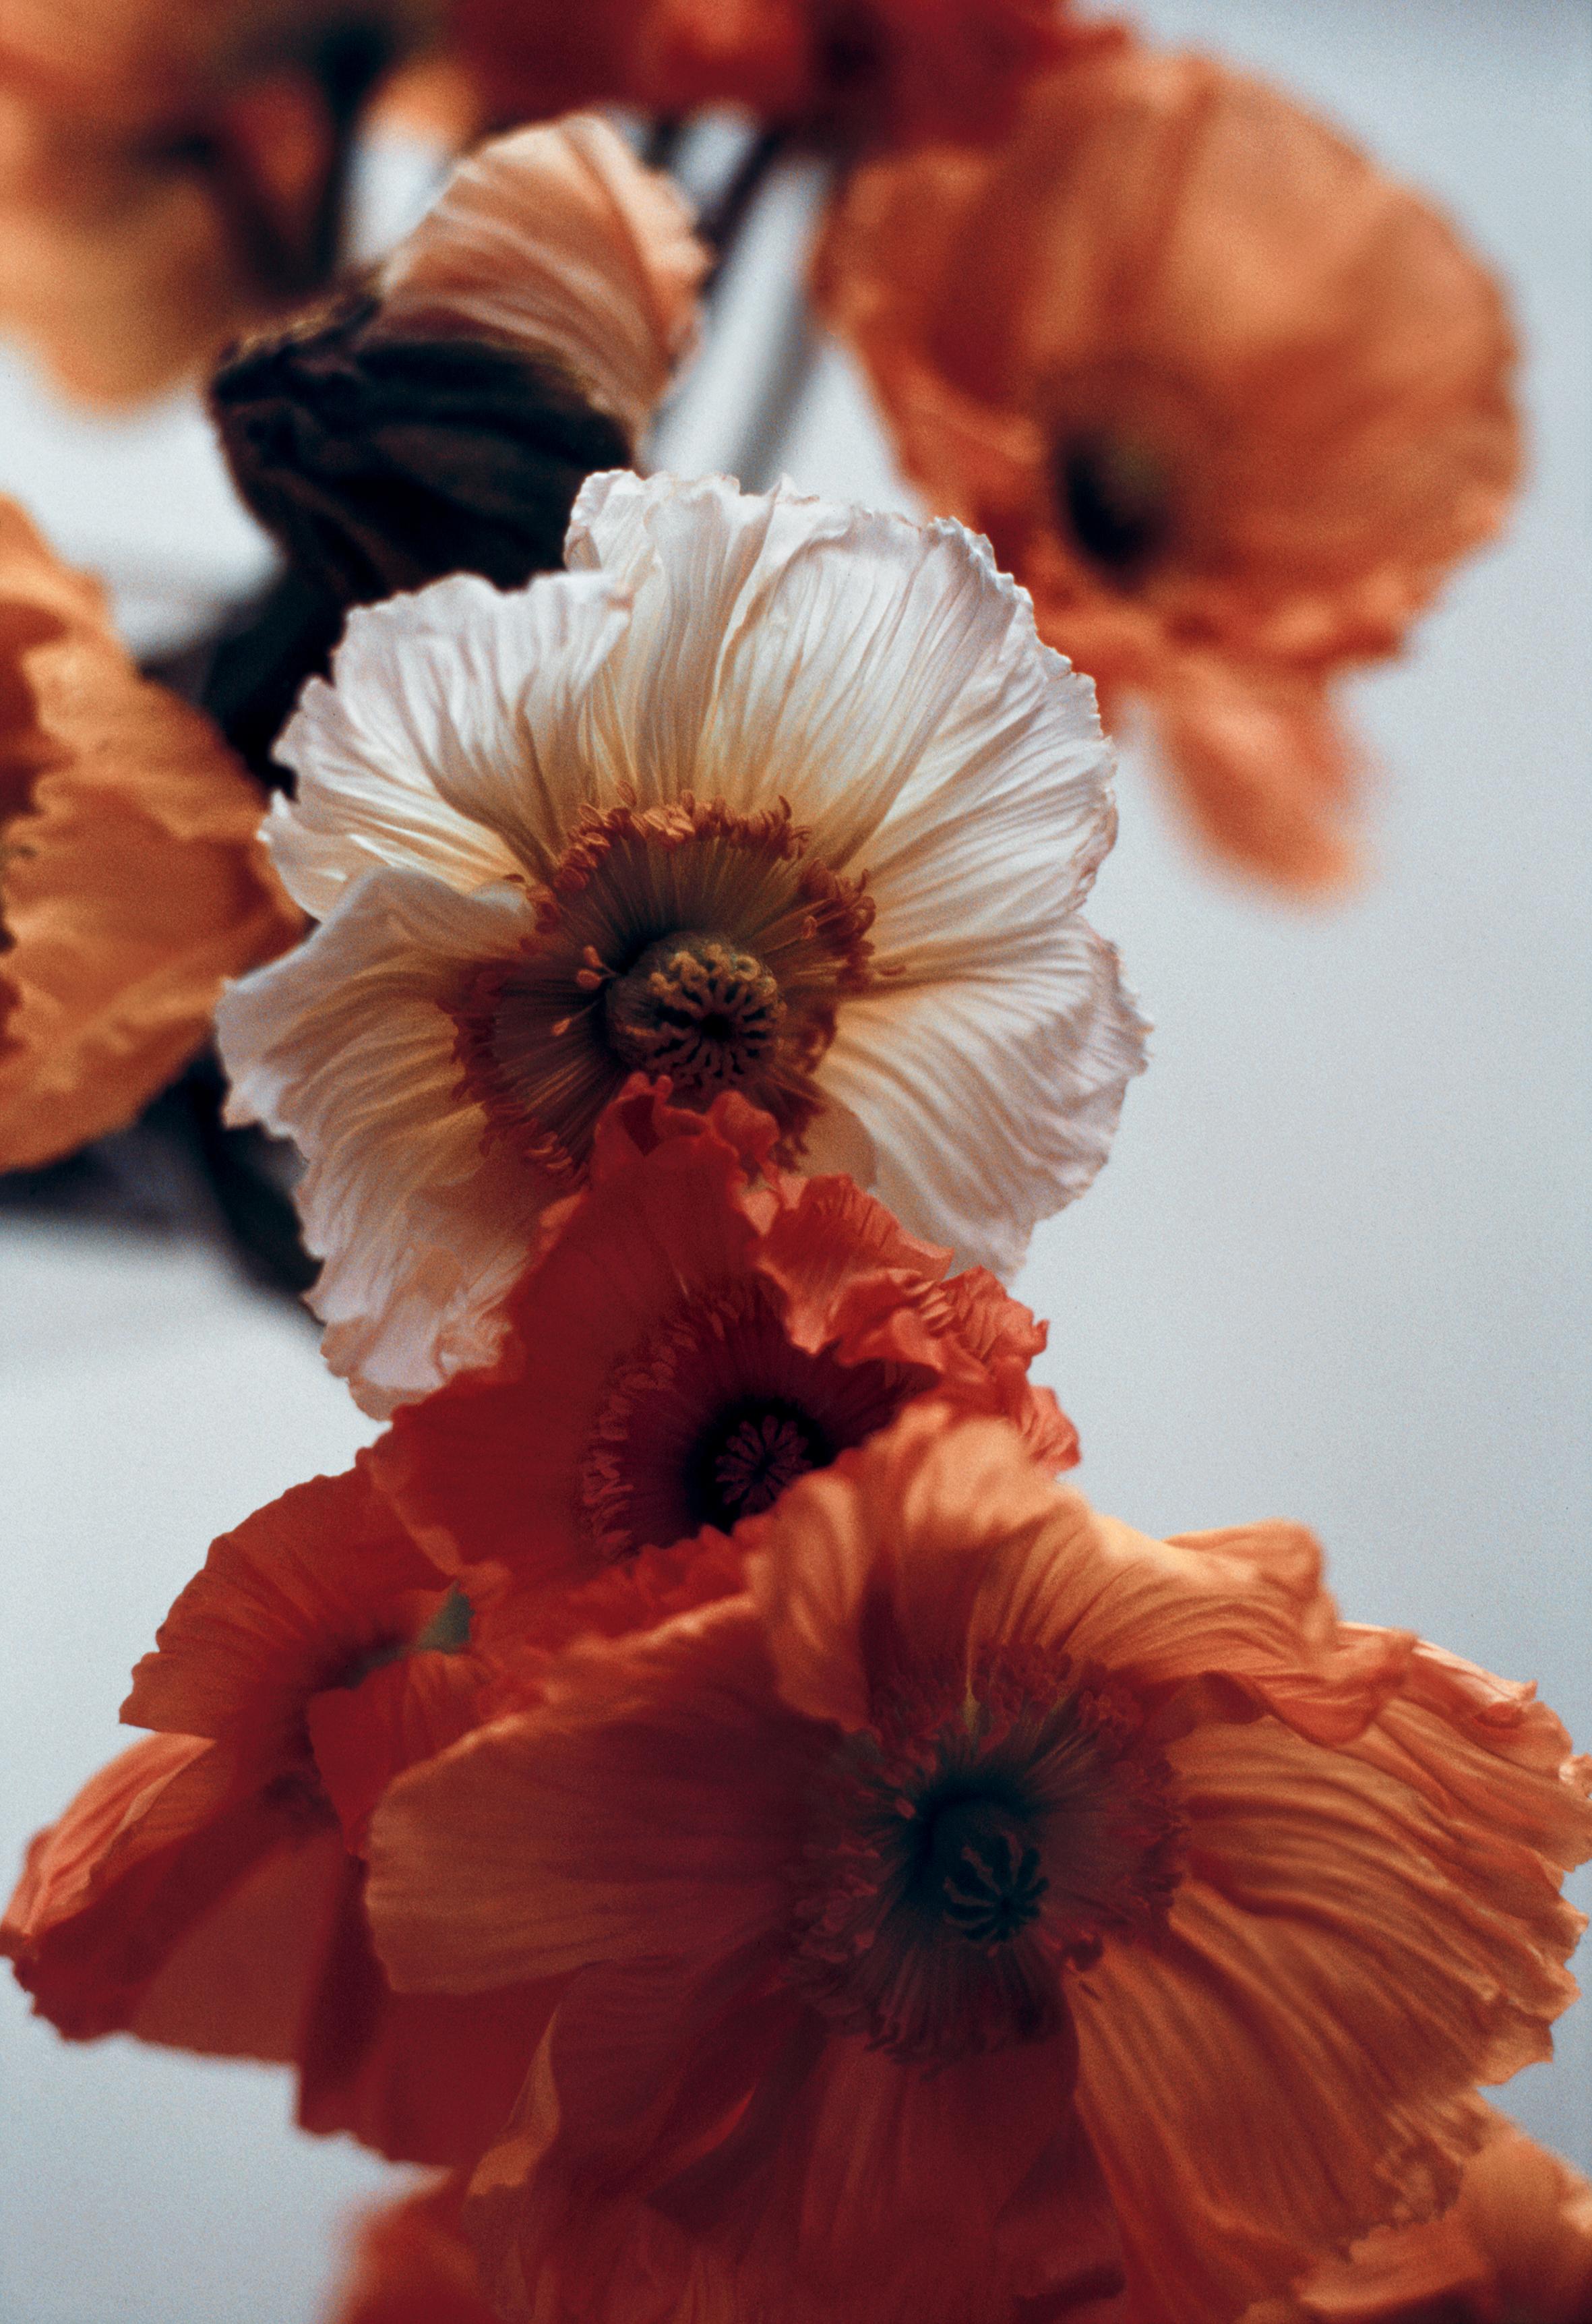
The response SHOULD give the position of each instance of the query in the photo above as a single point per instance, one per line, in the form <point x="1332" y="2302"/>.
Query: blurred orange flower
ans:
<point x="412" y="2266"/>
<point x="1226" y="399"/>
<point x="1517" y="2248"/>
<point x="861" y="70"/>
<point x="132" y="883"/>
<point x="701" y="1329"/>
<point x="169" y="173"/>
<point x="990" y="1910"/>
<point x="206" y="1889"/>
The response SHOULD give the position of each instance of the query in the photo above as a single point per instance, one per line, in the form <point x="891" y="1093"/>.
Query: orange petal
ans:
<point x="421" y="2077"/>
<point x="406" y="1712"/>
<point x="412" y="2266"/>
<point x="155" y="1844"/>
<point x="1345" y="1958"/>
<point x="547" y="1841"/>
<point x="295" y="1600"/>
<point x="1264" y="769"/>
<point x="131" y="882"/>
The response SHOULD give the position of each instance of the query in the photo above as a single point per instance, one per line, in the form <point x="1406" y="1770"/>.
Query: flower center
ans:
<point x="751" y="1453"/>
<point x="713" y="1413"/>
<point x="973" y="1844"/>
<point x="696" y="1008"/>
<point x="1114" y="494"/>
<point x="980" y="1853"/>
<point x="685" y="940"/>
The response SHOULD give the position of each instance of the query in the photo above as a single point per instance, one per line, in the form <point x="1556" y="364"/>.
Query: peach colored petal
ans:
<point x="558" y="242"/>
<point x="200" y="1894"/>
<point x="1295" y="1884"/>
<point x="1220" y="1625"/>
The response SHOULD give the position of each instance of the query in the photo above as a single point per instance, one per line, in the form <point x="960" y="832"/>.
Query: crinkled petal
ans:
<point x="844" y="659"/>
<point x="448" y="738"/>
<point x="285" y="1604"/>
<point x="1038" y="1058"/>
<point x="347" y="1047"/>
<point x="1350" y="1961"/>
<point x="419" y="2077"/>
<point x="412" y="2266"/>
<point x="555" y="240"/>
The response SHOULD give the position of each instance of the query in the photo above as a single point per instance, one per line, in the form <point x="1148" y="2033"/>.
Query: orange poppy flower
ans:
<point x="1517" y="2248"/>
<point x="990" y="1909"/>
<point x="861" y="70"/>
<point x="701" y="1329"/>
<point x="1226" y="399"/>
<point x="205" y="1890"/>
<point x="132" y="883"/>
<point x="169" y="173"/>
<point x="412" y="2266"/>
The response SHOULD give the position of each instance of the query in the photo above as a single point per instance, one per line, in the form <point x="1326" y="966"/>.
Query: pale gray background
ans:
<point x="1338" y="1268"/>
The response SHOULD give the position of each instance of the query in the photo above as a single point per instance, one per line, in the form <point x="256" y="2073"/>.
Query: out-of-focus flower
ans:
<point x="862" y="71"/>
<point x="1517" y="2248"/>
<point x="171" y="173"/>
<point x="206" y="1889"/>
<point x="991" y="1906"/>
<point x="1226" y="399"/>
<point x="704" y="1329"/>
<point x="412" y="2266"/>
<point x="764" y="794"/>
<point x="132" y="879"/>
<point x="443" y="419"/>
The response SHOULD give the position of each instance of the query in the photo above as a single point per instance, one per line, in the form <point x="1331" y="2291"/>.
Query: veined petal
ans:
<point x="524" y="1851"/>
<point x="1330" y="1919"/>
<point x="556" y="241"/>
<point x="347" y="1047"/>
<point x="1038" y="1059"/>
<point x="786" y="645"/>
<point x="999" y="838"/>
<point x="448" y="739"/>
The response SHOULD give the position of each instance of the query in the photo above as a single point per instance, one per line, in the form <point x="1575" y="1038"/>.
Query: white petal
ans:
<point x="344" y="1046"/>
<point x="997" y="839"/>
<point x="786" y="646"/>
<point x="448" y="738"/>
<point x="991" y="1101"/>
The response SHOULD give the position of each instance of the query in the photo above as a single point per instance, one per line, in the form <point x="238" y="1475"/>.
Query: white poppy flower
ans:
<point x="763" y="794"/>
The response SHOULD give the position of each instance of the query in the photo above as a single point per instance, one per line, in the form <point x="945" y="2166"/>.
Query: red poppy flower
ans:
<point x="990" y="1909"/>
<point x="702" y="1328"/>
<point x="206" y="1890"/>
<point x="1227" y="399"/>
